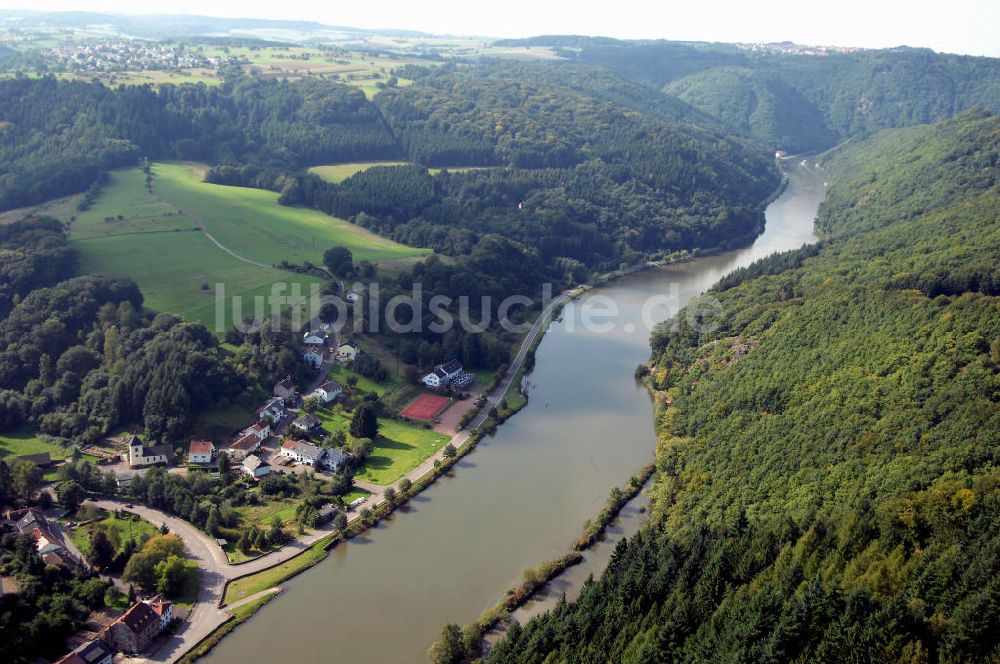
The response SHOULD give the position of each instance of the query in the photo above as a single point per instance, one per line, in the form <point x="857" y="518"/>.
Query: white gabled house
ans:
<point x="306" y="423"/>
<point x="329" y="391"/>
<point x="334" y="459"/>
<point x="261" y="430"/>
<point x="449" y="373"/>
<point x="201" y="451"/>
<point x="244" y="446"/>
<point x="273" y="410"/>
<point x="255" y="468"/>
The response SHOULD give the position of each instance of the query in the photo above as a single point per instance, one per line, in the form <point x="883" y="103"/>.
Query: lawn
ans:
<point x="251" y="223"/>
<point x="26" y="441"/>
<point x="181" y="271"/>
<point x="269" y="578"/>
<point x="118" y="530"/>
<point x="354" y="494"/>
<point x="399" y="449"/>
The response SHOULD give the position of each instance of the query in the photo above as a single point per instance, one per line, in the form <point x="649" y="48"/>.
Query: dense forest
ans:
<point x="827" y="483"/>
<point x="798" y="102"/>
<point x="588" y="167"/>
<point x="79" y="356"/>
<point x="88" y="128"/>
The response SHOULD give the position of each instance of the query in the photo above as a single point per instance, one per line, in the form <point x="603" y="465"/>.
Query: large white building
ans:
<point x="140" y="455"/>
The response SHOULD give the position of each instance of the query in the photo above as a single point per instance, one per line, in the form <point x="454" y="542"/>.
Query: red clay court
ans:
<point x="426" y="407"/>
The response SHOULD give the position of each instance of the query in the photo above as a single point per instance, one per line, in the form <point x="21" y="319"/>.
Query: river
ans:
<point x="522" y="496"/>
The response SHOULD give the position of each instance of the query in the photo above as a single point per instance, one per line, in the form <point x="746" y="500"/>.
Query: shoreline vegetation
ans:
<point x="535" y="578"/>
<point x="472" y="636"/>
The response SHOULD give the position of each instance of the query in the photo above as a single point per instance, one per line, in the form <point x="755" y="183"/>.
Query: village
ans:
<point x="291" y="433"/>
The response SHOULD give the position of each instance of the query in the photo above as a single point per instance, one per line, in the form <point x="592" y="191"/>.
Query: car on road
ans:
<point x="129" y="505"/>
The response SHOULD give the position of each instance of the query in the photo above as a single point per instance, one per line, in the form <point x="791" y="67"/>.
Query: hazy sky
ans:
<point x="956" y="26"/>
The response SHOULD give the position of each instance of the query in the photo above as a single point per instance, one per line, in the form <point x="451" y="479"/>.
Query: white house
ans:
<point x="329" y="391"/>
<point x="300" y="450"/>
<point x="200" y="451"/>
<point x="273" y="410"/>
<point x="352" y="296"/>
<point x="140" y="455"/>
<point x="334" y="459"/>
<point x="261" y="430"/>
<point x="164" y="609"/>
<point x="255" y="468"/>
<point x="306" y="423"/>
<point x="446" y="374"/>
<point x="347" y="352"/>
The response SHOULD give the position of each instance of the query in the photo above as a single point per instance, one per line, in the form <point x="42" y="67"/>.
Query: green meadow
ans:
<point x="339" y="172"/>
<point x="183" y="272"/>
<point x="400" y="447"/>
<point x="251" y="223"/>
<point x="155" y="240"/>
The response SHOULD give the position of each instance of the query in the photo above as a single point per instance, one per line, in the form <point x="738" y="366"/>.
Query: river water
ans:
<point x="522" y="496"/>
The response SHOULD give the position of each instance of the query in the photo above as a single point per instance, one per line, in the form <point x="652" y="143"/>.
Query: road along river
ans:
<point x="522" y="496"/>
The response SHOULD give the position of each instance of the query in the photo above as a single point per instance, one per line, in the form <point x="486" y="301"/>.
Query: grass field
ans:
<point x="119" y="531"/>
<point x="125" y="196"/>
<point x="181" y="271"/>
<point x="340" y="172"/>
<point x="251" y="223"/>
<point x="399" y="449"/>
<point x="26" y="441"/>
<point x="172" y="269"/>
<point x="269" y="578"/>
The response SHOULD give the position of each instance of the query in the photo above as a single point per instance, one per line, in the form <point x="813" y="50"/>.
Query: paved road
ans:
<point x="215" y="567"/>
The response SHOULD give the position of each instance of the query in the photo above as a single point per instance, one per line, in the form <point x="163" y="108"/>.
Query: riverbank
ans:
<point x="491" y="414"/>
<point x="495" y="620"/>
<point x="458" y="544"/>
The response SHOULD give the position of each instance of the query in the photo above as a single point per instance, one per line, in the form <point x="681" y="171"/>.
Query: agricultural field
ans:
<point x="339" y="172"/>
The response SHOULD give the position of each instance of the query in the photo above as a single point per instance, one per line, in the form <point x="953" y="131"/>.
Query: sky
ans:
<point x="956" y="26"/>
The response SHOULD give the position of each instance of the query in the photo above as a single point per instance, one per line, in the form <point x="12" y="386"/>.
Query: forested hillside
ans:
<point x="87" y="129"/>
<point x="588" y="168"/>
<point x="827" y="486"/>
<point x="79" y="356"/>
<point x="799" y="102"/>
